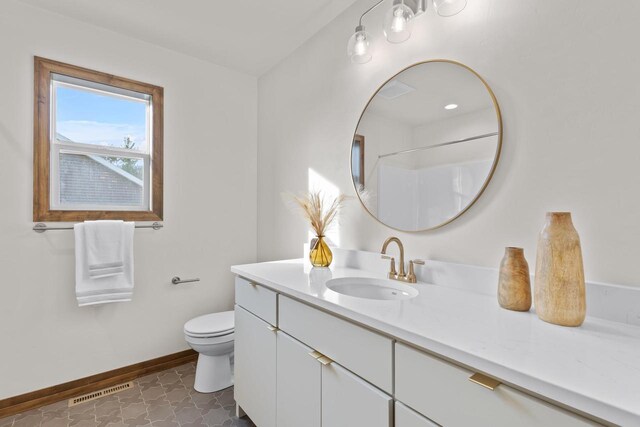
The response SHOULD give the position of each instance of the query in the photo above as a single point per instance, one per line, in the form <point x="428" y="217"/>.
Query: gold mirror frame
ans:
<point x="495" y="159"/>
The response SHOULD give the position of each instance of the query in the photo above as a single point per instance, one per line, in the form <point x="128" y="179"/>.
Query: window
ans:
<point x="97" y="146"/>
<point x="357" y="161"/>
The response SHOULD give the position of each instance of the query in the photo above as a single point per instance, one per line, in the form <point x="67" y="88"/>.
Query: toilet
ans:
<point x="211" y="336"/>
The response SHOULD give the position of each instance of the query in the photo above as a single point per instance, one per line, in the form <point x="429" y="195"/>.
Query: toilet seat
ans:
<point x="210" y="325"/>
<point x="208" y="335"/>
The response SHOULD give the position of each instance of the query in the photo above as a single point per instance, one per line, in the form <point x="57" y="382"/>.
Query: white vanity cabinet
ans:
<point x="255" y="352"/>
<point x="281" y="378"/>
<point x="258" y="300"/>
<point x="443" y="392"/>
<point x="299" y="384"/>
<point x="255" y="367"/>
<point x="366" y="353"/>
<point x="297" y="365"/>
<point x="349" y="401"/>
<point x="311" y="393"/>
<point x="406" y="417"/>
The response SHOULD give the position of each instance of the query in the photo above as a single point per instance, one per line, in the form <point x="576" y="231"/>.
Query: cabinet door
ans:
<point x="298" y="384"/>
<point x="348" y="401"/>
<point x="255" y="368"/>
<point x="406" y="417"/>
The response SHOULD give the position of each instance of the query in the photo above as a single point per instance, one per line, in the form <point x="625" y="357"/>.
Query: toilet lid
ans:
<point x="214" y="324"/>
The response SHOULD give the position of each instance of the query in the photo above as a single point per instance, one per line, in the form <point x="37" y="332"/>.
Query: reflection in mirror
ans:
<point x="433" y="136"/>
<point x="357" y="160"/>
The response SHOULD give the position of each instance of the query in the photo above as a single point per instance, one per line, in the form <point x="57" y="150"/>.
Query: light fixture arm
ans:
<point x="369" y="10"/>
<point x="417" y="6"/>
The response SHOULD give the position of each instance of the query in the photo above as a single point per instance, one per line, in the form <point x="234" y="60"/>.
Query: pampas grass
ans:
<point x="319" y="211"/>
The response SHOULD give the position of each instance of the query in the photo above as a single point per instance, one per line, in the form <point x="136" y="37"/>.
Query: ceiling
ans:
<point x="249" y="36"/>
<point x="436" y="84"/>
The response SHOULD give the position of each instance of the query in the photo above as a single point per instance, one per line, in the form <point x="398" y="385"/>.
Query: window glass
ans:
<point x="88" y="180"/>
<point x="97" y="117"/>
<point x="100" y="146"/>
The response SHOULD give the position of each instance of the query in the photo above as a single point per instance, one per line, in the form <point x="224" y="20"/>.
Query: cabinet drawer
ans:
<point x="442" y="392"/>
<point x="406" y="417"/>
<point x="363" y="352"/>
<point x="257" y="299"/>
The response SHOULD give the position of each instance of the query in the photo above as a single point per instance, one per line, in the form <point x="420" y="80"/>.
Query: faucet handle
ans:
<point x="392" y="267"/>
<point x="411" y="277"/>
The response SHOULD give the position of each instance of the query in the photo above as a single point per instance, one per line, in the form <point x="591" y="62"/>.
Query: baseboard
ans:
<point x="46" y="396"/>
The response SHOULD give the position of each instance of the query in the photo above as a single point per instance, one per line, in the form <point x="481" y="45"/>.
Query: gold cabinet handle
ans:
<point x="324" y="360"/>
<point x="272" y="328"/>
<point x="321" y="358"/>
<point x="484" y="381"/>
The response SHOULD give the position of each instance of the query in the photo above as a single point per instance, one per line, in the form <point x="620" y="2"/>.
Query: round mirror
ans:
<point x="426" y="145"/>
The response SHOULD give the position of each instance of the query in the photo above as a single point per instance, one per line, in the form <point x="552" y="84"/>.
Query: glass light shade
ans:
<point x="359" y="47"/>
<point x="398" y="23"/>
<point x="449" y="7"/>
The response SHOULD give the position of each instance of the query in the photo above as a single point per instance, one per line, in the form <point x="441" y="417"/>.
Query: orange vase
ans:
<point x="320" y="255"/>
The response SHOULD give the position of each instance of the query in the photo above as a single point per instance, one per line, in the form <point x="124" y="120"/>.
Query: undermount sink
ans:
<point x="369" y="288"/>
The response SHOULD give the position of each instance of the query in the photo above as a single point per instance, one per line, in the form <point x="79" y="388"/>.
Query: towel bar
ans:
<point x="42" y="227"/>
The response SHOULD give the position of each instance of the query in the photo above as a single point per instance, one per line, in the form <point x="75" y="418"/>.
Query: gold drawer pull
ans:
<point x="272" y="328"/>
<point x="325" y="360"/>
<point x="321" y="358"/>
<point x="484" y="381"/>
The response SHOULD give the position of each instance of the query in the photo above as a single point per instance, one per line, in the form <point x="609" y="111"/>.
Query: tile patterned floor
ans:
<point x="164" y="399"/>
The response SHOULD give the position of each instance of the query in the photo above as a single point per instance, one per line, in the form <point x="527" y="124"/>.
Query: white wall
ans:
<point x="210" y="208"/>
<point x="417" y="199"/>
<point x="382" y="135"/>
<point x="566" y="76"/>
<point x="417" y="190"/>
<point x="458" y="127"/>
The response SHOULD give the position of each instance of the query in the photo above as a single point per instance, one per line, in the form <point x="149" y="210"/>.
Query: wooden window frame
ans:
<point x="43" y="69"/>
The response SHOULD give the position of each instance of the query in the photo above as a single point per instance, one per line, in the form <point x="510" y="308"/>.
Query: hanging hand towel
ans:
<point x="104" y="241"/>
<point x="108" y="283"/>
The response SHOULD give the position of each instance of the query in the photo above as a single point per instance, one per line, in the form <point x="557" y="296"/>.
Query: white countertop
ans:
<point x="594" y="368"/>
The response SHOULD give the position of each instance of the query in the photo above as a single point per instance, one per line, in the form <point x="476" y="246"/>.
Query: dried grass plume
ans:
<point x="319" y="211"/>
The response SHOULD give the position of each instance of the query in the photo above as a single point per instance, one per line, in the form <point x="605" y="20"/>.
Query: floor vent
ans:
<point x="100" y="393"/>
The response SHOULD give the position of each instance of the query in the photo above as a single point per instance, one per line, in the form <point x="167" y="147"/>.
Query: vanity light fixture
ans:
<point x="397" y="24"/>
<point x="451" y="106"/>
<point x="448" y="8"/>
<point x="359" y="47"/>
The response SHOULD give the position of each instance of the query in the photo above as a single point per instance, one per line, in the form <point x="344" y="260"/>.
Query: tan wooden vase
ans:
<point x="559" y="282"/>
<point x="514" y="285"/>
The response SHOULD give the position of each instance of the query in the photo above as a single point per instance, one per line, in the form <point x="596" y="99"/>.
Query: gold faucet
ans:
<point x="400" y="275"/>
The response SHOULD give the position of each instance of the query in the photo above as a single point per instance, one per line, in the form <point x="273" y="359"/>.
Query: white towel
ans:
<point x="111" y="287"/>
<point x="104" y="242"/>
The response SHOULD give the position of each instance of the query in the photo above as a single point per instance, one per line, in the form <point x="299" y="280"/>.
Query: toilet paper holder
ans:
<point x="176" y="280"/>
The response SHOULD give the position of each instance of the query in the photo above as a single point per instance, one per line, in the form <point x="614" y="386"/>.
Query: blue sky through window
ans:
<point x="93" y="118"/>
